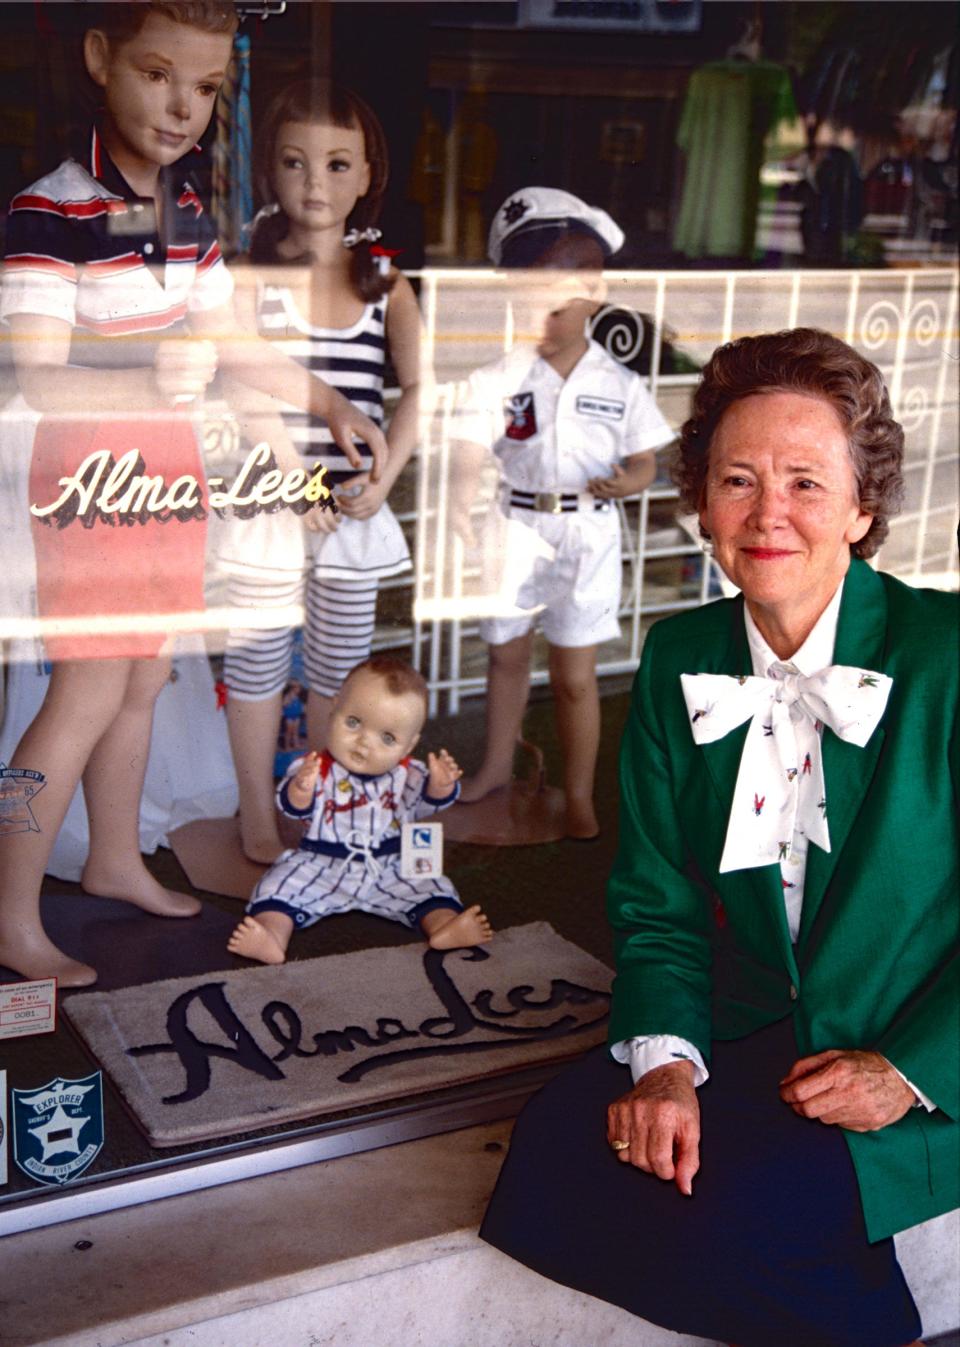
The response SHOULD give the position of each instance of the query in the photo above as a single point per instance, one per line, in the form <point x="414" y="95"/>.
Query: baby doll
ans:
<point x="572" y="431"/>
<point x="354" y="798"/>
<point x="325" y="297"/>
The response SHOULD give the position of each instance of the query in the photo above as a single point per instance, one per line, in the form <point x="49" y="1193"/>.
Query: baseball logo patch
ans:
<point x="521" y="416"/>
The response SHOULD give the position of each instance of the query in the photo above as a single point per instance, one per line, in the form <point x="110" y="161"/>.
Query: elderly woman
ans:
<point x="784" y="904"/>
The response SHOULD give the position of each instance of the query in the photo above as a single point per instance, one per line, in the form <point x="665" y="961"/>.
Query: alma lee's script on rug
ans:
<point x="208" y="1056"/>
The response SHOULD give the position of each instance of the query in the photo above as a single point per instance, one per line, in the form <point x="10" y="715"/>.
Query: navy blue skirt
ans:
<point x="771" y="1250"/>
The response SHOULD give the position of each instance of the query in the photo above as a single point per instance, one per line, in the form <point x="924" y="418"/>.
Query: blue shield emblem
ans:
<point x="58" y="1128"/>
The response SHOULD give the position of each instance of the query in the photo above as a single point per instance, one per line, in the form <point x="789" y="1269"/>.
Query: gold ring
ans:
<point x="619" y="1145"/>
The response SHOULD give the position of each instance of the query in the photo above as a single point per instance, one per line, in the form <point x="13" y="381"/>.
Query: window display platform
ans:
<point x="559" y="883"/>
<point x="376" y="1248"/>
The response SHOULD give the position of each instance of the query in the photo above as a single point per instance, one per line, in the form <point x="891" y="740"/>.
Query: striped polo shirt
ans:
<point x="350" y="359"/>
<point x="83" y="247"/>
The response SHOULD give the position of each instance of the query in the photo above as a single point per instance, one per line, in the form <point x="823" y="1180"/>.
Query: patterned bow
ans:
<point x="354" y="236"/>
<point x="775" y="793"/>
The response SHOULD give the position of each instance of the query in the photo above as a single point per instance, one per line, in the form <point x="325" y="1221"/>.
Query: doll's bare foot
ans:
<point x="580" y="819"/>
<point x="474" y="788"/>
<point x="140" y="888"/>
<point x="34" y="956"/>
<point x="458" y="931"/>
<point x="252" y="940"/>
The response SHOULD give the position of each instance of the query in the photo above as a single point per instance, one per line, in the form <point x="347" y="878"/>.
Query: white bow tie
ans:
<point x="775" y="793"/>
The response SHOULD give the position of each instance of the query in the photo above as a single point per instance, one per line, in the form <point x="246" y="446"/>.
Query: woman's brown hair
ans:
<point x="802" y="360"/>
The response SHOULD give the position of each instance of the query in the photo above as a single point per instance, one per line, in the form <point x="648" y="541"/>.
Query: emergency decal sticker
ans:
<point x="28" y="1008"/>
<point x="58" y="1128"/>
<point x="521" y="416"/>
<point x="609" y="408"/>
<point x="18" y="786"/>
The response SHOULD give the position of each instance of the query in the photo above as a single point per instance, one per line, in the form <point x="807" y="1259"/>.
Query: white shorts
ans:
<point x="270" y="546"/>
<point x="561" y="572"/>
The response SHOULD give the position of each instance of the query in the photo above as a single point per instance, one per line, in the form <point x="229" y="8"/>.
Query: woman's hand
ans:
<point x="367" y="496"/>
<point x="660" y="1120"/>
<point x="182" y="368"/>
<point x="852" y="1089"/>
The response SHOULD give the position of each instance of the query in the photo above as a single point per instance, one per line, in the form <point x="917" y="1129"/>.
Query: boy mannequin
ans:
<point x="580" y="433"/>
<point x="355" y="797"/>
<point x="68" y="273"/>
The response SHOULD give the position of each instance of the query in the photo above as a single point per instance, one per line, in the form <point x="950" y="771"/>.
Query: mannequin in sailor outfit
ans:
<point x="354" y="798"/>
<point x="572" y="431"/>
<point x="783" y="904"/>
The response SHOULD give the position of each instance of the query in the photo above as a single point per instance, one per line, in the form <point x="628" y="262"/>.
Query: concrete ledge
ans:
<point x="376" y="1248"/>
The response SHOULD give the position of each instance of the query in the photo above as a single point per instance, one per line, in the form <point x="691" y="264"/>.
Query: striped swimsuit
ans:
<point x="343" y="568"/>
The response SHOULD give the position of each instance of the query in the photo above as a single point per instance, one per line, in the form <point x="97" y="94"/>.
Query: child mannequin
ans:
<point x="322" y="164"/>
<point x="579" y="433"/>
<point x="354" y="797"/>
<point x="158" y="67"/>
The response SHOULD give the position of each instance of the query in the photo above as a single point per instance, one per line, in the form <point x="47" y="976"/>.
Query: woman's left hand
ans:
<point x="852" y="1089"/>
<point x="368" y="499"/>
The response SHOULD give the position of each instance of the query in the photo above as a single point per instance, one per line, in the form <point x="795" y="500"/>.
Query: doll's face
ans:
<point x="371" y="728"/>
<point x="319" y="173"/>
<point x="159" y="90"/>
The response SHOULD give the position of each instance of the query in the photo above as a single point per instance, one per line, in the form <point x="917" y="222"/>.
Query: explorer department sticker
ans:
<point x="58" y="1128"/>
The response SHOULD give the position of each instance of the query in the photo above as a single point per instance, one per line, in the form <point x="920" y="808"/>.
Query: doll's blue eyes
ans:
<point x="352" y="723"/>
<point x="389" y="739"/>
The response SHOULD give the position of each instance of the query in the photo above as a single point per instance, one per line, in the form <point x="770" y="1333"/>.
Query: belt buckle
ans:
<point x="548" y="502"/>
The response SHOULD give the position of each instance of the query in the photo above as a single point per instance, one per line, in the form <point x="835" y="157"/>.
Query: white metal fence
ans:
<point x="903" y="320"/>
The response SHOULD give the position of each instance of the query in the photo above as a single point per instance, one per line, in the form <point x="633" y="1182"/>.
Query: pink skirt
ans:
<point x="131" y="565"/>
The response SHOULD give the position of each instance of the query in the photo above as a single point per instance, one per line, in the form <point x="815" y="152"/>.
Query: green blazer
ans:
<point x="706" y="955"/>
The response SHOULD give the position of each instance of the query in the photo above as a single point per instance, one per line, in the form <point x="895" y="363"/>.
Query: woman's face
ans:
<point x="780" y="501"/>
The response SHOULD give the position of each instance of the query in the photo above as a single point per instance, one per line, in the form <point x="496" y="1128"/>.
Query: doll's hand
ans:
<point x="367" y="498"/>
<point x="444" y="774"/>
<point x="302" y="787"/>
<point x="612" y="487"/>
<point x="462" y="524"/>
<point x="348" y="424"/>
<point x="322" y="519"/>
<point x="182" y="368"/>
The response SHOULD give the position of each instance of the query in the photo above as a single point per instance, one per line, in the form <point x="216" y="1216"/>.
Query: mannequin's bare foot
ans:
<point x="581" y="820"/>
<point x="474" y="788"/>
<point x="263" y="847"/>
<point x="140" y="888"/>
<point x="34" y="956"/>
<point x="252" y="940"/>
<point x="459" y="931"/>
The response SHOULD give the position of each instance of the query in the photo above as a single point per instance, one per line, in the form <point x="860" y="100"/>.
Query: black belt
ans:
<point x="554" y="502"/>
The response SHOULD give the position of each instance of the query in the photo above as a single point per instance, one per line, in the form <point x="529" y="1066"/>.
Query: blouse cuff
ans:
<point x="921" y="1100"/>
<point x="645" y="1053"/>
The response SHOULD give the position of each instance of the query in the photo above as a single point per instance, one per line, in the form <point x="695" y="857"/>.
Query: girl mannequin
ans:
<point x="322" y="163"/>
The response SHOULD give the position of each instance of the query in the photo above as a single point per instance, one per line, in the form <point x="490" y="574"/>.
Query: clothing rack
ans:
<point x="264" y="9"/>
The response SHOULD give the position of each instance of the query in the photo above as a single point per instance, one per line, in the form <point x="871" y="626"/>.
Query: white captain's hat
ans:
<point x="533" y="218"/>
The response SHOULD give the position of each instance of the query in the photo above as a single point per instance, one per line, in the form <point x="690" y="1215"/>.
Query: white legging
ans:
<point x="337" y="635"/>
